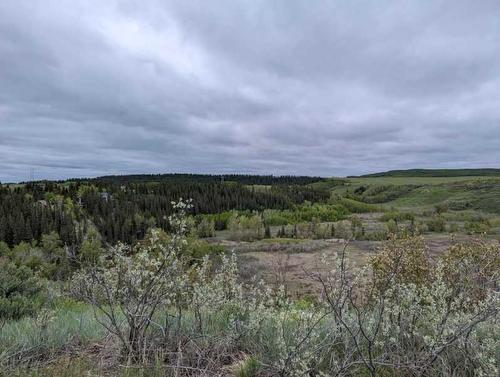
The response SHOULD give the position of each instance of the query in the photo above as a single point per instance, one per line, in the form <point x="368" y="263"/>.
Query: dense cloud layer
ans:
<point x="331" y="88"/>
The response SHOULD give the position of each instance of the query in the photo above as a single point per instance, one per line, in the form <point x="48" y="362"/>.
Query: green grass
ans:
<point x="305" y="213"/>
<point x="87" y="365"/>
<point x="437" y="173"/>
<point x="248" y="367"/>
<point x="423" y="193"/>
<point x="69" y="323"/>
<point x="355" y="206"/>
<point x="423" y="197"/>
<point x="413" y="180"/>
<point x="476" y="195"/>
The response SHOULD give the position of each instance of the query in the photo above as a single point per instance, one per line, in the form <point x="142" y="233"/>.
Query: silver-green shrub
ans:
<point x="395" y="315"/>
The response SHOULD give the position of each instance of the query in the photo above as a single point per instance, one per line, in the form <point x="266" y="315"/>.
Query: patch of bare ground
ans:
<point x="291" y="262"/>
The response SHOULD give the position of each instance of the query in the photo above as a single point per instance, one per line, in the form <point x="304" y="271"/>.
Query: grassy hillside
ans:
<point x="480" y="195"/>
<point x="436" y="173"/>
<point x="457" y="193"/>
<point x="413" y="180"/>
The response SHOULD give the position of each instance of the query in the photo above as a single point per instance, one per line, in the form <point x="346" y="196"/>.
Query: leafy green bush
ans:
<point x="21" y="292"/>
<point x="312" y="230"/>
<point x="4" y="249"/>
<point x="28" y="255"/>
<point x="441" y="208"/>
<point x="392" y="226"/>
<point x="220" y="220"/>
<point x="436" y="224"/>
<point x="57" y="266"/>
<point x="384" y="193"/>
<point x="406" y="259"/>
<point x="49" y="258"/>
<point x="355" y="206"/>
<point x="91" y="247"/>
<point x="197" y="249"/>
<point x="306" y="213"/>
<point x="277" y="217"/>
<point x="477" y="227"/>
<point x="205" y="228"/>
<point x="398" y="216"/>
<point x="246" y="228"/>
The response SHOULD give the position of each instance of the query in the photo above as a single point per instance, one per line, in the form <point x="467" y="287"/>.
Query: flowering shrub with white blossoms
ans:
<point x="128" y="286"/>
<point x="394" y="315"/>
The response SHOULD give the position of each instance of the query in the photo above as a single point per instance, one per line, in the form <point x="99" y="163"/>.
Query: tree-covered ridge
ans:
<point x="26" y="213"/>
<point x="436" y="173"/>
<point x="179" y="178"/>
<point x="124" y="211"/>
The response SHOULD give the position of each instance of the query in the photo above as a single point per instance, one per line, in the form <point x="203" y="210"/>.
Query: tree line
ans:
<point x="124" y="211"/>
<point x="244" y="179"/>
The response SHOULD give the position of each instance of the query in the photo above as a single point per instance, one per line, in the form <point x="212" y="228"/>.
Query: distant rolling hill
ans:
<point x="435" y="173"/>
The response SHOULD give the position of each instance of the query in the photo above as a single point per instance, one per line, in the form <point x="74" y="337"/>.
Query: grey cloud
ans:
<point x="284" y="87"/>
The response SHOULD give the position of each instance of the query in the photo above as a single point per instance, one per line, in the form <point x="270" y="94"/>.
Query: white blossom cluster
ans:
<point x="153" y="299"/>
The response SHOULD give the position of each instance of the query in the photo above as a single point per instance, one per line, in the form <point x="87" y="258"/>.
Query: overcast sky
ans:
<point x="285" y="87"/>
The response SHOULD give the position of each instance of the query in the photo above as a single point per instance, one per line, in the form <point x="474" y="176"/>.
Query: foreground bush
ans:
<point x="397" y="316"/>
<point x="436" y="224"/>
<point x="21" y="291"/>
<point x="131" y="285"/>
<point x="158" y="308"/>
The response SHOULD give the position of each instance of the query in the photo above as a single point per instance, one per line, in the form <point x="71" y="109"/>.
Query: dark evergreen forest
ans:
<point x="122" y="208"/>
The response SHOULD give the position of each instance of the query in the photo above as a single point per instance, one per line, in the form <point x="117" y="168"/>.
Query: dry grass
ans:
<point x="293" y="261"/>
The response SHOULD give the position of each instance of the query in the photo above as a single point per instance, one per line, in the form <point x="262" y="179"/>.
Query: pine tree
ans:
<point x="3" y="228"/>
